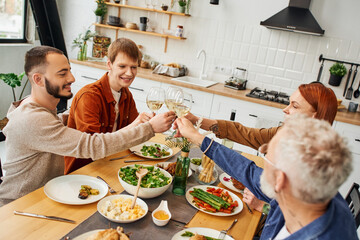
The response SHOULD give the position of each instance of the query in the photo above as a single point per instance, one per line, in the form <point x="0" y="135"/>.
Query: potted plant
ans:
<point x="100" y="11"/>
<point x="13" y="81"/>
<point x="183" y="5"/>
<point x="81" y="43"/>
<point x="337" y="72"/>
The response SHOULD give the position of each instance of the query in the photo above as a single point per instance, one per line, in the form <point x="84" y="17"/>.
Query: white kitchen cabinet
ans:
<point x="352" y="135"/>
<point x="139" y="89"/>
<point x="83" y="76"/>
<point x="247" y="113"/>
<point x="202" y="101"/>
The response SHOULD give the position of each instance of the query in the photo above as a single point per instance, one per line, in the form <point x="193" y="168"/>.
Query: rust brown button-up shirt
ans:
<point x="93" y="111"/>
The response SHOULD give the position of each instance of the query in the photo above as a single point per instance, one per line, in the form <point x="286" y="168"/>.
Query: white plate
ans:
<point x="165" y="164"/>
<point x="139" y="202"/>
<point x="202" y="231"/>
<point x="85" y="236"/>
<point x="137" y="149"/>
<point x="65" y="189"/>
<point x="229" y="184"/>
<point x="237" y="210"/>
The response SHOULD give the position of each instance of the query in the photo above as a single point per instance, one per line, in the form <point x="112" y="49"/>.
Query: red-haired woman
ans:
<point x="313" y="99"/>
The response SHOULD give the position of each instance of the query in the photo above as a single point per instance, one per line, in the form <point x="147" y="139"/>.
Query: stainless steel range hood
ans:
<point x="295" y="18"/>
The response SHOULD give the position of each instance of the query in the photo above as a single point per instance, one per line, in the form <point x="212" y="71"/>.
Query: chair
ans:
<point x="260" y="227"/>
<point x="353" y="199"/>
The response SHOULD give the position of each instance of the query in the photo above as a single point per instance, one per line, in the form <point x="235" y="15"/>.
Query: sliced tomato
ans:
<point x="227" y="211"/>
<point x="235" y="204"/>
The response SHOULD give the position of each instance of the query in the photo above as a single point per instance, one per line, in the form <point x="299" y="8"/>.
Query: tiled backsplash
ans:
<point x="276" y="60"/>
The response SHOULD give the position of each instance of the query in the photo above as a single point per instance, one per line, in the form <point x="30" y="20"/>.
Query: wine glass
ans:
<point x="155" y="99"/>
<point x="183" y="108"/>
<point x="154" y="3"/>
<point x="174" y="95"/>
<point x="148" y="3"/>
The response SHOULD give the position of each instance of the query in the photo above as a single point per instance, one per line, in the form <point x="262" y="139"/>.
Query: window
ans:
<point x="13" y="21"/>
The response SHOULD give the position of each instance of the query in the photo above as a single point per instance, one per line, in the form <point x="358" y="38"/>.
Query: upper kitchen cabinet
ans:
<point x="156" y="34"/>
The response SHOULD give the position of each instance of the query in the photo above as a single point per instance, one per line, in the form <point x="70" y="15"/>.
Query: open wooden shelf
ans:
<point x="148" y="9"/>
<point x="138" y="31"/>
<point x="166" y="36"/>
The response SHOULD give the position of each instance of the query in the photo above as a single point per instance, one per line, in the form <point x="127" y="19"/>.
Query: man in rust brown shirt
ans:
<point x="107" y="104"/>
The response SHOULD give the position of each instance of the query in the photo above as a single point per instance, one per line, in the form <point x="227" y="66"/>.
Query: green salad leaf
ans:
<point x="154" y="151"/>
<point x="154" y="179"/>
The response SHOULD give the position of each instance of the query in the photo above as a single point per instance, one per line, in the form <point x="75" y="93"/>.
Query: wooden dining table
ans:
<point x="20" y="227"/>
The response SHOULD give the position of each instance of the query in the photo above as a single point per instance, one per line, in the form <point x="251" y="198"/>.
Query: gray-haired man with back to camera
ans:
<point x="305" y="163"/>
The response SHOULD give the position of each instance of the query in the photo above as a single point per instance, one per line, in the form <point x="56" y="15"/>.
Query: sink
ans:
<point x="195" y="81"/>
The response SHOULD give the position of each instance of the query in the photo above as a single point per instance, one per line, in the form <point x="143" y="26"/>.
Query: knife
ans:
<point x="43" y="216"/>
<point x="141" y="160"/>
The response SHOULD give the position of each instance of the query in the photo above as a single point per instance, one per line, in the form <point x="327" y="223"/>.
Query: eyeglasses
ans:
<point x="261" y="154"/>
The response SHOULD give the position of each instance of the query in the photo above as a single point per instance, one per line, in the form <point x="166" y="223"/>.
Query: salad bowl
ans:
<point x="155" y="183"/>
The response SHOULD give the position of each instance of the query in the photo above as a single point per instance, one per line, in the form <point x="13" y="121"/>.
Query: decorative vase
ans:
<point x="181" y="173"/>
<point x="335" y="80"/>
<point x="182" y="9"/>
<point x="82" y="54"/>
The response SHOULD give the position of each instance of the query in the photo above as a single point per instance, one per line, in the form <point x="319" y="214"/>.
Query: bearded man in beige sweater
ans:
<point x="36" y="138"/>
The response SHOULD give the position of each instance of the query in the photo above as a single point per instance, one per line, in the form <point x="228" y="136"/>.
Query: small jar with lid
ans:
<point x="179" y="31"/>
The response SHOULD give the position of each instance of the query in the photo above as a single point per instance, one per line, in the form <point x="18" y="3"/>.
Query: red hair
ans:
<point x="322" y="99"/>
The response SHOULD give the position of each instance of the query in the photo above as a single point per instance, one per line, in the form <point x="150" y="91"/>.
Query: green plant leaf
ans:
<point x="338" y="69"/>
<point x="10" y="79"/>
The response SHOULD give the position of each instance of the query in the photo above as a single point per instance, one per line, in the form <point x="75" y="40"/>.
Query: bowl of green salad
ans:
<point x="155" y="183"/>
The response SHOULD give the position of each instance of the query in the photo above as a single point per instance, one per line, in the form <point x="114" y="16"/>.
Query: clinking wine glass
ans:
<point x="174" y="95"/>
<point x="183" y="108"/>
<point x="155" y="99"/>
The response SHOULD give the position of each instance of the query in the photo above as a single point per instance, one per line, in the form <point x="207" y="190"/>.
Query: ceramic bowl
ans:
<point x="146" y="192"/>
<point x="197" y="174"/>
<point x="104" y="203"/>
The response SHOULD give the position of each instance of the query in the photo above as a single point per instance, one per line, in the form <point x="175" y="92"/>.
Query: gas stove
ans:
<point x="272" y="96"/>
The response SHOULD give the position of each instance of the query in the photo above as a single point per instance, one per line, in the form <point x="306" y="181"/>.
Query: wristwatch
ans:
<point x="266" y="208"/>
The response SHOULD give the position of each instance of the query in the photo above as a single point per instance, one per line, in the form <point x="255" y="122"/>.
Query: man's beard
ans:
<point x="266" y="187"/>
<point x="55" y="90"/>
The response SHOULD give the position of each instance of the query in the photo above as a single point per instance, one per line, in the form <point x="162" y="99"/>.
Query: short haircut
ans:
<point x="314" y="157"/>
<point x="36" y="57"/>
<point x="126" y="46"/>
<point x="322" y="99"/>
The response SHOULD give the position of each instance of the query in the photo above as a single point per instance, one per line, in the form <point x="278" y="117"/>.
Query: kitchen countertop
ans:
<point x="342" y="116"/>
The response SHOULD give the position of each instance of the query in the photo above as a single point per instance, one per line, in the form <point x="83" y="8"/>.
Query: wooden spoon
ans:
<point x="140" y="174"/>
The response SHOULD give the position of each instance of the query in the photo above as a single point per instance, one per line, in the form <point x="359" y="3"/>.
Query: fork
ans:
<point x="224" y="232"/>
<point x="110" y="189"/>
<point x="132" y="152"/>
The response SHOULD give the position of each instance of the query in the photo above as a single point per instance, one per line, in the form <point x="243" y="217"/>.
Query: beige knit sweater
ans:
<point x="37" y="140"/>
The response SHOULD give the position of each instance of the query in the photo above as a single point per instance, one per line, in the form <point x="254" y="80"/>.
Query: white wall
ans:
<point x="11" y="61"/>
<point x="232" y="36"/>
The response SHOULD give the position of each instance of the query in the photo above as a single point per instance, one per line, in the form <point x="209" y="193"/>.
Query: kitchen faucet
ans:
<point x="202" y="73"/>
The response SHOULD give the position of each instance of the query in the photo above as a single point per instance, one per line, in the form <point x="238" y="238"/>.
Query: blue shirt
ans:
<point x="336" y="223"/>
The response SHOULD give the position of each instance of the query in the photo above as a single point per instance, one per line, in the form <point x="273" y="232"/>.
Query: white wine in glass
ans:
<point x="184" y="107"/>
<point x="155" y="99"/>
<point x="174" y="95"/>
